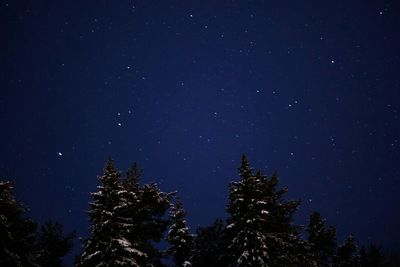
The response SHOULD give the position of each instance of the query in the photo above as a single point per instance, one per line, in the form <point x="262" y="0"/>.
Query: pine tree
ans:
<point x="209" y="245"/>
<point x="179" y="237"/>
<point x="134" y="211"/>
<point x="371" y="257"/>
<point x="248" y="211"/>
<point x="132" y="179"/>
<point x="261" y="229"/>
<point x="345" y="256"/>
<point x="108" y="245"/>
<point x="146" y="208"/>
<point x="52" y="245"/>
<point x="17" y="233"/>
<point x="322" y="240"/>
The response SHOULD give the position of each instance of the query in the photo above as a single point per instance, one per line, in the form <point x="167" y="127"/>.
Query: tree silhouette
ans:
<point x="322" y="240"/>
<point x="108" y="245"/>
<point x="52" y="245"/>
<point x="261" y="228"/>
<point x="179" y="237"/>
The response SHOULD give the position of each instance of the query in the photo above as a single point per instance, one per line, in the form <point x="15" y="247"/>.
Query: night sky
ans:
<point x="308" y="89"/>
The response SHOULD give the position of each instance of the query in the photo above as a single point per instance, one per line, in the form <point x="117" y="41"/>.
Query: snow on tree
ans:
<point x="107" y="244"/>
<point x="179" y="237"/>
<point x="145" y="207"/>
<point x="260" y="228"/>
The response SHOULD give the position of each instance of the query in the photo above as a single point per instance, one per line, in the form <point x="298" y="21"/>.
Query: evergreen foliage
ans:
<point x="261" y="229"/>
<point x="127" y="220"/>
<point x="17" y="232"/>
<point x="371" y="257"/>
<point x="209" y="245"/>
<point x="52" y="245"/>
<point x="108" y="245"/>
<point x="20" y="243"/>
<point x="322" y="240"/>
<point x="179" y="237"/>
<point x="145" y="207"/>
<point x="345" y="256"/>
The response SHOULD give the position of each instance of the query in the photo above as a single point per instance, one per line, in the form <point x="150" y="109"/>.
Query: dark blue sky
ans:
<point x="309" y="89"/>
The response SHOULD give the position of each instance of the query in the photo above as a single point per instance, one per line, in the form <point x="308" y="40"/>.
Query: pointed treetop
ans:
<point x="179" y="236"/>
<point x="135" y="171"/>
<point x="315" y="225"/>
<point x="345" y="252"/>
<point x="244" y="160"/>
<point x="245" y="169"/>
<point x="133" y="176"/>
<point x="109" y="166"/>
<point x="349" y="243"/>
<point x="110" y="173"/>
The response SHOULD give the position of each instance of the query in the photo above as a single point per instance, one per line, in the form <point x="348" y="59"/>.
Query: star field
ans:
<point x="307" y="89"/>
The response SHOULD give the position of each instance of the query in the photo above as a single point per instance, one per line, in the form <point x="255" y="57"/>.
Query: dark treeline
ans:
<point x="128" y="220"/>
<point x="23" y="242"/>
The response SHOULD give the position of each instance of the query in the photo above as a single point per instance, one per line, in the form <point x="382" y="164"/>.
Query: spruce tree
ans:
<point x="261" y="228"/>
<point x="145" y="207"/>
<point x="134" y="211"/>
<point x="52" y="245"/>
<point x="179" y="237"/>
<point x="209" y="245"/>
<point x="322" y="240"/>
<point x="17" y="232"/>
<point x="107" y="244"/>
<point x="345" y="255"/>
<point x="371" y="257"/>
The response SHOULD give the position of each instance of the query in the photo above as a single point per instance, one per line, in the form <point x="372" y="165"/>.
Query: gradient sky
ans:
<point x="310" y="89"/>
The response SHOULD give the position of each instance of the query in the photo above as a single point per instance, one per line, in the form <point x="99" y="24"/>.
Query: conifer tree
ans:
<point x="132" y="178"/>
<point x="108" y="245"/>
<point x="52" y="245"/>
<point x="179" y="237"/>
<point x="209" y="245"/>
<point x="371" y="257"/>
<point x="145" y="207"/>
<point x="261" y="229"/>
<point x="17" y="232"/>
<point x="248" y="210"/>
<point x="134" y="211"/>
<point x="345" y="256"/>
<point x="322" y="240"/>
